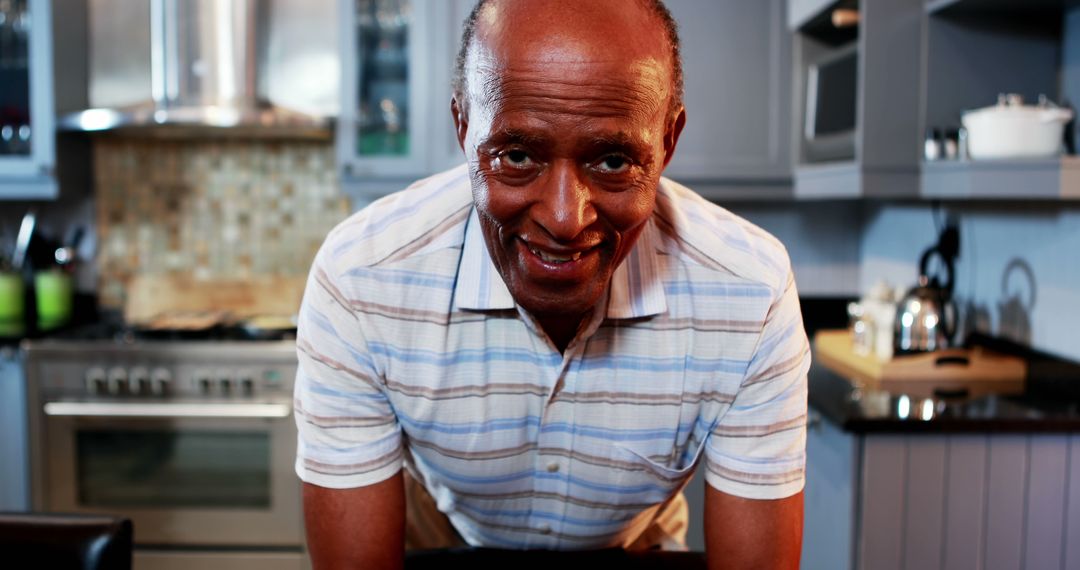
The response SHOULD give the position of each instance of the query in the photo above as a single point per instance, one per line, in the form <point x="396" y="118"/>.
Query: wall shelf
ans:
<point x="1046" y="179"/>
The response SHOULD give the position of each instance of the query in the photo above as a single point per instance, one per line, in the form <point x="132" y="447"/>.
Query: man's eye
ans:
<point x="613" y="164"/>
<point x="517" y="157"/>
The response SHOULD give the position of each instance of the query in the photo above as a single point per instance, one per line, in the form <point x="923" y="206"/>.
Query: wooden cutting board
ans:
<point x="976" y="370"/>
<point x="150" y="297"/>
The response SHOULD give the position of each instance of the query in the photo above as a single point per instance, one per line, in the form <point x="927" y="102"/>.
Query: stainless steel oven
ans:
<point x="194" y="441"/>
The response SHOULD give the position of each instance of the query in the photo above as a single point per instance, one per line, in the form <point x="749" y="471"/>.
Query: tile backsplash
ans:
<point x="214" y="210"/>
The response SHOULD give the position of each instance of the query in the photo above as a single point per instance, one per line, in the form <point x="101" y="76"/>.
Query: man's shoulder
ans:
<point x="708" y="236"/>
<point x="427" y="216"/>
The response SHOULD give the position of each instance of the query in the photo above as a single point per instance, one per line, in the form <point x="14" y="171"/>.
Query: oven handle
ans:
<point x="160" y="410"/>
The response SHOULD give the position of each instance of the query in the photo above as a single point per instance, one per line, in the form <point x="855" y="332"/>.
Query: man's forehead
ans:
<point x="569" y="32"/>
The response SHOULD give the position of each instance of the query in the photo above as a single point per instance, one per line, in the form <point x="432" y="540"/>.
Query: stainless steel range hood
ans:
<point x="211" y="67"/>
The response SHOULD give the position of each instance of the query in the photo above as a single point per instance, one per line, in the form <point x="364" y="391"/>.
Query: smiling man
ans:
<point x="552" y="337"/>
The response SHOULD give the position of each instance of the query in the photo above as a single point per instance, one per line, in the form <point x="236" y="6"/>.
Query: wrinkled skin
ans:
<point x="566" y="134"/>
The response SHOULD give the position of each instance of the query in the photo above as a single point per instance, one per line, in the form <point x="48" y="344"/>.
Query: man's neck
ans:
<point x="561" y="329"/>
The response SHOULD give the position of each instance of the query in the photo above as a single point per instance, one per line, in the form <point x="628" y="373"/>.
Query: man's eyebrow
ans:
<point x="620" y="140"/>
<point x="512" y="136"/>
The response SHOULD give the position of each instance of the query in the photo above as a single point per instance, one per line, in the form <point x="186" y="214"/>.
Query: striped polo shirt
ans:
<point x="412" y="351"/>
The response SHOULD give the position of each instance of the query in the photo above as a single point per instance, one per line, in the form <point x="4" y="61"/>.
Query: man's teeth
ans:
<point x="555" y="258"/>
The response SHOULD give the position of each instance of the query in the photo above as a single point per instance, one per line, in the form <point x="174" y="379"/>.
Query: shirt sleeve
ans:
<point x="758" y="448"/>
<point x="349" y="435"/>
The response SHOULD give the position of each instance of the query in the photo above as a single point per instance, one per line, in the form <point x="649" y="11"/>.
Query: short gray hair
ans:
<point x="658" y="9"/>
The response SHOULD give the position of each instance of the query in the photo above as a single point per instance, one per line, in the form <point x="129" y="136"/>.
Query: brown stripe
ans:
<point x="760" y="431"/>
<point x="400" y="313"/>
<point x="631" y="398"/>
<point x="343" y="421"/>
<point x="777" y="370"/>
<point x="307" y="349"/>
<point x="471" y="391"/>
<point x="680" y="324"/>
<point x="324" y="281"/>
<point x="353" y="468"/>
<point x="429" y="236"/>
<point x="763" y="479"/>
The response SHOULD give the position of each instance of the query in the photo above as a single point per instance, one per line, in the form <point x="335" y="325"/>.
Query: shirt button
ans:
<point x="544" y="529"/>
<point x="552" y="467"/>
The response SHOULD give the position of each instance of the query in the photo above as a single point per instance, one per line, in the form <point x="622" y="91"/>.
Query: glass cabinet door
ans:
<point x="384" y="85"/>
<point x="27" y="146"/>
<point x="15" y="123"/>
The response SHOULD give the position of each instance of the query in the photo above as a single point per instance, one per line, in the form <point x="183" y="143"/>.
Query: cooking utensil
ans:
<point x="1011" y="129"/>
<point x="22" y="242"/>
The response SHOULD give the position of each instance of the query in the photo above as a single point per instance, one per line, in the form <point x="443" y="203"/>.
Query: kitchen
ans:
<point x="827" y="123"/>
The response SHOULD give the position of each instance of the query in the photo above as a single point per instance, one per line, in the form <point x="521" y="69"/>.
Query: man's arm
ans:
<point x="356" y="528"/>
<point x="752" y="533"/>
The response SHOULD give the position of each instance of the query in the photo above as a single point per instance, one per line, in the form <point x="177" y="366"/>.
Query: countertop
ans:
<point x="1049" y="404"/>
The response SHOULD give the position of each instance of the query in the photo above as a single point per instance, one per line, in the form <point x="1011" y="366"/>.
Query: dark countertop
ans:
<point x="1045" y="407"/>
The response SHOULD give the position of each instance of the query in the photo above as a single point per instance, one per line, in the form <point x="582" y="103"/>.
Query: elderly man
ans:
<point x="551" y="337"/>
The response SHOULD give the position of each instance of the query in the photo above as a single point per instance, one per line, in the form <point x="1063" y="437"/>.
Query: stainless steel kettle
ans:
<point x="926" y="316"/>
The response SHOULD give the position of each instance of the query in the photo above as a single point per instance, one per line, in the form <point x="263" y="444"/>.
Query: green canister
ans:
<point x="12" y="298"/>
<point x="53" y="289"/>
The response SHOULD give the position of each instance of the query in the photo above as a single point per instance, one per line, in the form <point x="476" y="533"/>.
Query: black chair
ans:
<point x="489" y="558"/>
<point x="63" y="541"/>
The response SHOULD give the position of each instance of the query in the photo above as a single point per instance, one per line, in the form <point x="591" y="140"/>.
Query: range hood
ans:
<point x="211" y="67"/>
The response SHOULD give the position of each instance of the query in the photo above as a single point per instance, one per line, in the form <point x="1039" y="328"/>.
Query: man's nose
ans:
<point x="565" y="208"/>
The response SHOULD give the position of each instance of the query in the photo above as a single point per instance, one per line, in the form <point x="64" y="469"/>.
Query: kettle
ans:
<point x="926" y="316"/>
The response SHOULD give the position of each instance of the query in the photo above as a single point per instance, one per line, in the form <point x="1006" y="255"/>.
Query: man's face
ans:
<point x="566" y="133"/>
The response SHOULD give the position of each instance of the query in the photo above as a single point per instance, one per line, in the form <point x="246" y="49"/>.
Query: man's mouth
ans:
<point x="555" y="257"/>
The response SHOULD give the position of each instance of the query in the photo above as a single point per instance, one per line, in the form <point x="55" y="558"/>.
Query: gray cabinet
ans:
<point x="395" y="124"/>
<point x="737" y="58"/>
<point x="14" y="477"/>
<point x="27" y="142"/>
<point x="897" y="501"/>
<point x="738" y="95"/>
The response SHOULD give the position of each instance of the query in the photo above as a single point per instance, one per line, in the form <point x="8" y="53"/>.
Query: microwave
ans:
<point x="831" y="105"/>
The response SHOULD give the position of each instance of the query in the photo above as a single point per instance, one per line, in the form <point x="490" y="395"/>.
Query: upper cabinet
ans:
<point x="399" y="55"/>
<point x="977" y="50"/>
<point x="395" y="124"/>
<point x="737" y="67"/>
<point x="882" y="87"/>
<point x="857" y="85"/>
<point x="27" y="113"/>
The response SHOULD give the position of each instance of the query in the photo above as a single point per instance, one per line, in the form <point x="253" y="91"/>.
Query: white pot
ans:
<point x="1011" y="129"/>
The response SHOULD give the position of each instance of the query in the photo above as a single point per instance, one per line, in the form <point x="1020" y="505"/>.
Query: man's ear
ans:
<point x="461" y="121"/>
<point x="671" y="136"/>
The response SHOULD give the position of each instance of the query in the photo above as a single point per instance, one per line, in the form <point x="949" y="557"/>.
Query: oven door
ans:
<point x="191" y="473"/>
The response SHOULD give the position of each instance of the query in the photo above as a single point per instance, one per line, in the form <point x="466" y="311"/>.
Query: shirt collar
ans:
<point x="636" y="288"/>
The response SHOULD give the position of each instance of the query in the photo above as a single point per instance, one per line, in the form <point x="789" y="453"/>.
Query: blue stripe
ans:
<point x="396" y="214"/>
<point x="716" y="289"/>
<point x="542" y="515"/>
<point x="661" y="364"/>
<point x="403" y="277"/>
<point x="364" y="447"/>
<point x="447" y="359"/>
<point x="542" y="474"/>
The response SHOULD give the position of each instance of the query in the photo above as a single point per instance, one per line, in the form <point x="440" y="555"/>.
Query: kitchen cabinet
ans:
<point x="27" y="113"/>
<point x="978" y="49"/>
<point x="893" y="483"/>
<point x="884" y="107"/>
<point x="14" y="477"/>
<point x="395" y="124"/>
<point x="737" y="67"/>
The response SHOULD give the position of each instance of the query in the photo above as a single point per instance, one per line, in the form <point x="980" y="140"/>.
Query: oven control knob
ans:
<point x="118" y="381"/>
<point x="247" y="386"/>
<point x="160" y="379"/>
<point x="226" y="385"/>
<point x="202" y="379"/>
<point x="96" y="381"/>
<point x="139" y="381"/>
